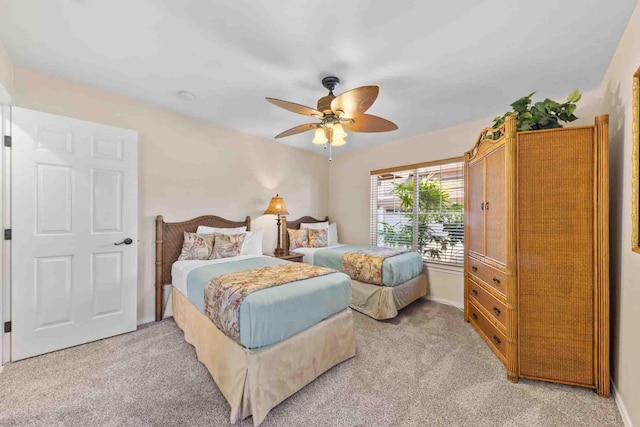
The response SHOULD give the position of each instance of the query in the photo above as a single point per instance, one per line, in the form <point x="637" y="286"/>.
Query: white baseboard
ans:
<point x="446" y="301"/>
<point x="626" y="419"/>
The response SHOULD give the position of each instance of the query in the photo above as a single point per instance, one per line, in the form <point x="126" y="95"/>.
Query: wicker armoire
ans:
<point x="537" y="251"/>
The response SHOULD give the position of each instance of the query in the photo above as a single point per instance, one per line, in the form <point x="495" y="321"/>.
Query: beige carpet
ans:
<point x="424" y="368"/>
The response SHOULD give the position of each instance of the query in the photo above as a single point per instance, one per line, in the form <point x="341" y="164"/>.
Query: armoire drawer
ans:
<point x="489" y="275"/>
<point x="496" y="339"/>
<point x="494" y="306"/>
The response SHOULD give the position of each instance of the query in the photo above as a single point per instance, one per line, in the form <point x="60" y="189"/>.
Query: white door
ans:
<point x="74" y="200"/>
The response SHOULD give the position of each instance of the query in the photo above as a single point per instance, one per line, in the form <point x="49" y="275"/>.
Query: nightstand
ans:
<point x="290" y="256"/>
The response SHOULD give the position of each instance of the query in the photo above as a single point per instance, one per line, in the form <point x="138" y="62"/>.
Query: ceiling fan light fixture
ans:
<point x="320" y="138"/>
<point x="335" y="113"/>
<point x="338" y="141"/>
<point x="338" y="131"/>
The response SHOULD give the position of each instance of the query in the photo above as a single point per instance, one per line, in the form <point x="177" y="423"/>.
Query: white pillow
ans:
<point x="252" y="243"/>
<point x="333" y="234"/>
<point x="315" y="225"/>
<point x="202" y="229"/>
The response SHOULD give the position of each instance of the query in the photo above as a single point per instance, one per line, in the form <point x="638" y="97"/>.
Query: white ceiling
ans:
<point x="437" y="63"/>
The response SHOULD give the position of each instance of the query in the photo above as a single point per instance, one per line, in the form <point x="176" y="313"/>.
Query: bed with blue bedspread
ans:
<point x="289" y="332"/>
<point x="399" y="282"/>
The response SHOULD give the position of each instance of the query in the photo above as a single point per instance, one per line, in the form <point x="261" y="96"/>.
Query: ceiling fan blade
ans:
<point x="295" y="108"/>
<point x="298" y="129"/>
<point x="369" y="123"/>
<point x="354" y="102"/>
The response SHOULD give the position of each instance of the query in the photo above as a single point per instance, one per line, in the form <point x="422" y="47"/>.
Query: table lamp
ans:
<point x="277" y="207"/>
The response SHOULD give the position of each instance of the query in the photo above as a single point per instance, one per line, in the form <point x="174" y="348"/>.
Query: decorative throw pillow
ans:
<point x="318" y="238"/>
<point x="227" y="245"/>
<point x="298" y="238"/>
<point x="196" y="246"/>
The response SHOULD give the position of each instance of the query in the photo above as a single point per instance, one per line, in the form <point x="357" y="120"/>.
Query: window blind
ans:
<point x="420" y="208"/>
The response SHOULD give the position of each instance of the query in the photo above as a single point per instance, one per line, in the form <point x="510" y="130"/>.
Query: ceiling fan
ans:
<point x="336" y="113"/>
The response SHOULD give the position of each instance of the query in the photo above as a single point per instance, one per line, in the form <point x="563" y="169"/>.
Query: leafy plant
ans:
<point x="431" y="242"/>
<point x="545" y="114"/>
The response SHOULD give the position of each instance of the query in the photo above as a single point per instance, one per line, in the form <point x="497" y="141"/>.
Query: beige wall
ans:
<point x="349" y="178"/>
<point x="6" y="76"/>
<point x="188" y="167"/>
<point x="625" y="264"/>
<point x="349" y="181"/>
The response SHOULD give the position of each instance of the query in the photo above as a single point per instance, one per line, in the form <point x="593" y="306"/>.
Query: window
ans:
<point x="434" y="225"/>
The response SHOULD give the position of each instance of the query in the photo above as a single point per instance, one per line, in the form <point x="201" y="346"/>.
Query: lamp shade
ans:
<point x="338" y="141"/>
<point x="338" y="131"/>
<point x="320" y="137"/>
<point x="276" y="207"/>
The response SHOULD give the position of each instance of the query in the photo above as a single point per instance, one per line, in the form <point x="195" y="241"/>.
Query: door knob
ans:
<point x="126" y="241"/>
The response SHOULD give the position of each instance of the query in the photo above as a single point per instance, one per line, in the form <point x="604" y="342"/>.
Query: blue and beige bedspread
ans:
<point x="396" y="269"/>
<point x="276" y="313"/>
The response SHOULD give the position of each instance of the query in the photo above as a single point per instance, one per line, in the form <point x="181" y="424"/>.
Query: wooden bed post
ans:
<point x="284" y="234"/>
<point x="159" y="284"/>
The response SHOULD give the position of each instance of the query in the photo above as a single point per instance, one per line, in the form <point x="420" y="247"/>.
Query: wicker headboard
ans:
<point x="169" y="238"/>
<point x="295" y="225"/>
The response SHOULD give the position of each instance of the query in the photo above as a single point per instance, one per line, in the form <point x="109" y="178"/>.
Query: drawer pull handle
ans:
<point x="497" y="311"/>
<point x="486" y="206"/>
<point x="496" y="340"/>
<point x="496" y="281"/>
<point x="475" y="316"/>
<point x="474" y="292"/>
<point x="482" y="206"/>
<point x="474" y="268"/>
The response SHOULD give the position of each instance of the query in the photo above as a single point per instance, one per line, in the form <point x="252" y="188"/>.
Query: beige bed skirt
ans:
<point x="383" y="302"/>
<point x="255" y="381"/>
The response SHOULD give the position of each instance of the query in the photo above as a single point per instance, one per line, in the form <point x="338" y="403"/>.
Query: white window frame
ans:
<point x="435" y="264"/>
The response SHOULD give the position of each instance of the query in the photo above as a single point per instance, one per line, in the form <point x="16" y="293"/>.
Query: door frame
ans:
<point x="5" y="245"/>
